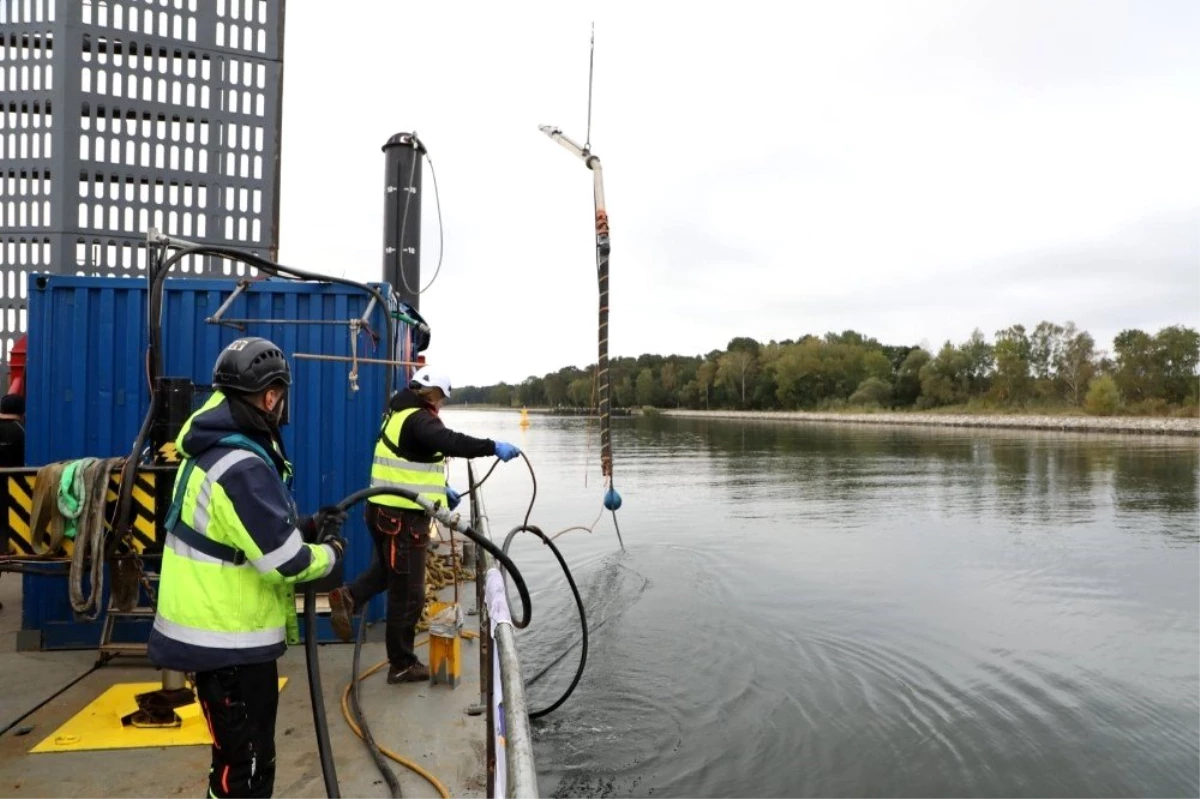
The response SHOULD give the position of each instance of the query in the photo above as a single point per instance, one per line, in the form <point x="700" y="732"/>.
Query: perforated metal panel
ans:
<point x="121" y="115"/>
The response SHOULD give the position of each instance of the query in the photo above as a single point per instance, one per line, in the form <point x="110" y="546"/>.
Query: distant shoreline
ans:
<point x="1130" y="425"/>
<point x="565" y="411"/>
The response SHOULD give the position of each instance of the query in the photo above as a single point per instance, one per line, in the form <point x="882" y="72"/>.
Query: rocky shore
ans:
<point x="1135" y="425"/>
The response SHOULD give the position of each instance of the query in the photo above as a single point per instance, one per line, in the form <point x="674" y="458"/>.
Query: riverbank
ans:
<point x="1133" y="425"/>
<point x="563" y="411"/>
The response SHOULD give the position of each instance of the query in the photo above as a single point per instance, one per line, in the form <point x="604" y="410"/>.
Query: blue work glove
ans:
<point x="506" y="452"/>
<point x="452" y="498"/>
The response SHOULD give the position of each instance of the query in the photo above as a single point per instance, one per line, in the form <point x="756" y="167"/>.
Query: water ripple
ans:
<point x="856" y="611"/>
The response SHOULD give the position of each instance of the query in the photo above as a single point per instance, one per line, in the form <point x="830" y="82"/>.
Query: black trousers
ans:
<point x="401" y="538"/>
<point x="240" y="704"/>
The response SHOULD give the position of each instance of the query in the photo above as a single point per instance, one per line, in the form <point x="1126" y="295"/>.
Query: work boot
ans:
<point x="417" y="672"/>
<point x="341" y="613"/>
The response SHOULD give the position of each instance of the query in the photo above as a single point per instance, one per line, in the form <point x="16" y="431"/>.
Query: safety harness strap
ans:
<point x="194" y="539"/>
<point x="205" y="545"/>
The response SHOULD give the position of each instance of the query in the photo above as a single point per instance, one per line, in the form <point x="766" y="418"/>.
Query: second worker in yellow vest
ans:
<point x="409" y="453"/>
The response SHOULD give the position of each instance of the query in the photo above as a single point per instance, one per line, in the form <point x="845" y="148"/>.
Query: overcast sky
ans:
<point x="910" y="170"/>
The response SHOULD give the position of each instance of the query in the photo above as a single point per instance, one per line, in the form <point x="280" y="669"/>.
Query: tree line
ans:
<point x="1051" y="367"/>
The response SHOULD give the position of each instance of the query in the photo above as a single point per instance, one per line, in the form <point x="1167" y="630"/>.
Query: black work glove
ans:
<point x="327" y="522"/>
<point x="338" y="545"/>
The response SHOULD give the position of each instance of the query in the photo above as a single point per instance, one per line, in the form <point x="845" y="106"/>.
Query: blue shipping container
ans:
<point x="87" y="393"/>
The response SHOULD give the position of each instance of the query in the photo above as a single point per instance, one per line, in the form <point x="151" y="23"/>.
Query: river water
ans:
<point x="839" y="610"/>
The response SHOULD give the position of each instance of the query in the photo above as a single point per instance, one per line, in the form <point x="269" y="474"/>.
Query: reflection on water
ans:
<point x="839" y="610"/>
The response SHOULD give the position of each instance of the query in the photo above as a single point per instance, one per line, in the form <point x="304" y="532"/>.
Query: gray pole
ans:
<point x="522" y="777"/>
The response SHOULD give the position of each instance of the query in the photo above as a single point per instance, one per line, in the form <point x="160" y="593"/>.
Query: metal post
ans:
<point x="485" y="672"/>
<point x="402" y="216"/>
<point x="173" y="680"/>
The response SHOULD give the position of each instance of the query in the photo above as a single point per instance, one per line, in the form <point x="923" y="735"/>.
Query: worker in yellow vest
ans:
<point x="235" y="548"/>
<point x="409" y="453"/>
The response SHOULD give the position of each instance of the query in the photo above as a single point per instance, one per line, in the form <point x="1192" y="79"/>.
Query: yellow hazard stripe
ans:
<point x="18" y="498"/>
<point x="18" y="533"/>
<point x="144" y="511"/>
<point x="22" y="494"/>
<point x="144" y="501"/>
<point x="19" y="504"/>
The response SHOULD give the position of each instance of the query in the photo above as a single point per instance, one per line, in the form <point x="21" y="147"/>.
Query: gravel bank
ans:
<point x="1135" y="425"/>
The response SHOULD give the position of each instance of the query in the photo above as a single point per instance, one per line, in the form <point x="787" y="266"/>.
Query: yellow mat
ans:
<point x="98" y="726"/>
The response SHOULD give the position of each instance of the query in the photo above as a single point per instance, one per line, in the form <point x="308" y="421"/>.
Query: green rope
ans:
<point x="73" y="494"/>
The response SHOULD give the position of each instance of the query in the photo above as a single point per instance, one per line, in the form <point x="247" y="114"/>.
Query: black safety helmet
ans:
<point x="250" y="365"/>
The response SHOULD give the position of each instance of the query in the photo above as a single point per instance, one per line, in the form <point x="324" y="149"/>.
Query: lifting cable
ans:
<point x="612" y="499"/>
<point x="408" y="193"/>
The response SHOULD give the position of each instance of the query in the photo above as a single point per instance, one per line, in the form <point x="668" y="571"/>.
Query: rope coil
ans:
<point x="77" y="511"/>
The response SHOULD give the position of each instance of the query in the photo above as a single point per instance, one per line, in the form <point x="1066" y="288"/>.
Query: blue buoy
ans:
<point x="612" y="500"/>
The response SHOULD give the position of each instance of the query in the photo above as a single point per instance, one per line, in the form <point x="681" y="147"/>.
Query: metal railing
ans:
<point x="513" y="774"/>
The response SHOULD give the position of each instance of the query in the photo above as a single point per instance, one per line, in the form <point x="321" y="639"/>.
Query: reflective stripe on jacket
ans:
<point x="390" y="469"/>
<point x="233" y="554"/>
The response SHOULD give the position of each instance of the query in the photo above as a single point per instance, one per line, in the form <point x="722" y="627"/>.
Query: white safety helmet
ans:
<point x="428" y="377"/>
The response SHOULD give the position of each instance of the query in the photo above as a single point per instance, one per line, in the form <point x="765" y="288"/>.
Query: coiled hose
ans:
<point x="549" y="541"/>
<point x="324" y="750"/>
<point x="528" y="528"/>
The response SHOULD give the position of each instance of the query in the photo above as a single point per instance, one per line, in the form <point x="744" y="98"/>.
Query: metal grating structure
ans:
<point x="117" y="116"/>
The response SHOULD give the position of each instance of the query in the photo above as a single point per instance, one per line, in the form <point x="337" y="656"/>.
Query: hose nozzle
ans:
<point x="452" y="520"/>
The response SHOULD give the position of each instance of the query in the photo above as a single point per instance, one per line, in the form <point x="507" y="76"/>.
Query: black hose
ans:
<point x="578" y="604"/>
<point x="274" y="269"/>
<point x="526" y="527"/>
<point x="482" y="540"/>
<point x="52" y="696"/>
<point x="154" y="274"/>
<point x="324" y="750"/>
<point x="561" y="656"/>
<point x="476" y="486"/>
<point x="533" y="494"/>
<point x="389" y="776"/>
<point x="315" y="667"/>
<point x="532" y="476"/>
<point x="157" y="275"/>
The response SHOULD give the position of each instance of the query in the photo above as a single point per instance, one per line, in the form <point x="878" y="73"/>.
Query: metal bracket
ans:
<point x="365" y="319"/>
<point x="574" y="149"/>
<point x="355" y="326"/>
<point x="308" y="356"/>
<point x="156" y="236"/>
<point x="216" y="319"/>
